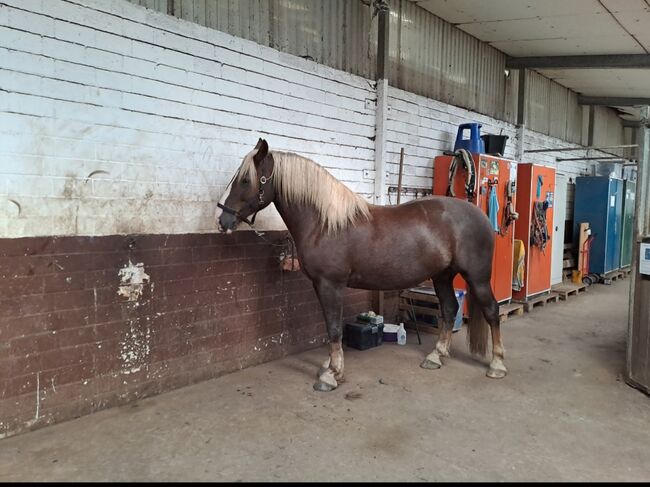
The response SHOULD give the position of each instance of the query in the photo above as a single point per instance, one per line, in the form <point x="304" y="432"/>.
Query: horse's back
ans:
<point x="458" y="225"/>
<point x="439" y="212"/>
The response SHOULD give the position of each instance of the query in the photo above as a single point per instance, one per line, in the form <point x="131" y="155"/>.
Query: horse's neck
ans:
<point x="301" y="220"/>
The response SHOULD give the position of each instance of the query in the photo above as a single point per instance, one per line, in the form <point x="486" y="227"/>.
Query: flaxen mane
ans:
<point x="302" y="181"/>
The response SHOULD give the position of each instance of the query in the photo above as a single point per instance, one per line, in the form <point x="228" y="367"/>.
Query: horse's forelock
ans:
<point x="247" y="167"/>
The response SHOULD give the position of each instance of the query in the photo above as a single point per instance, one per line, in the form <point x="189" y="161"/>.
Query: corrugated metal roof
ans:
<point x="432" y="58"/>
<point x="560" y="27"/>
<point x="337" y="33"/>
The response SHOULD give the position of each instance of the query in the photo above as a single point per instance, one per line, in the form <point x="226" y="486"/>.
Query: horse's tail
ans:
<point x="477" y="328"/>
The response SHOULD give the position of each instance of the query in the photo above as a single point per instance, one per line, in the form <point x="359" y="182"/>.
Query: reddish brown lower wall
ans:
<point x="70" y="345"/>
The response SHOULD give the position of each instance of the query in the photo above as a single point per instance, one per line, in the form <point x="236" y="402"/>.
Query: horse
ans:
<point x="344" y="241"/>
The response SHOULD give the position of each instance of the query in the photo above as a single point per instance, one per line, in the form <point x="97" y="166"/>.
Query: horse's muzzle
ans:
<point x="227" y="223"/>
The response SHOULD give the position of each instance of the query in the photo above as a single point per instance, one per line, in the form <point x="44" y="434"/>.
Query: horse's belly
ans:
<point x="398" y="274"/>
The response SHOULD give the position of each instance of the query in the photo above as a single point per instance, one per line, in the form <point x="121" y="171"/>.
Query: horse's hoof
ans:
<point x="321" y="386"/>
<point x="496" y="373"/>
<point x="321" y="371"/>
<point x="428" y="364"/>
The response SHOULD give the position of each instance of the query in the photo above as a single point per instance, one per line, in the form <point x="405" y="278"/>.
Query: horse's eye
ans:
<point x="245" y="181"/>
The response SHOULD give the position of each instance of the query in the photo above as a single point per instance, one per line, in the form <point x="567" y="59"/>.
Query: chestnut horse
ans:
<point x="343" y="241"/>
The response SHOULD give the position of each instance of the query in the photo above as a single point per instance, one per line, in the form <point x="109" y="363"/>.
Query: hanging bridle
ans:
<point x="470" y="185"/>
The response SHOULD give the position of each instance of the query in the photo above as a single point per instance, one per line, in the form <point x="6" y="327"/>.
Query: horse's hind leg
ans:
<point x="486" y="304"/>
<point x="448" y="309"/>
<point x="497" y="368"/>
<point x="330" y="297"/>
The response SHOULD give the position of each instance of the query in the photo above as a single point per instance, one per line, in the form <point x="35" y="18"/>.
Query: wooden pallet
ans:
<point x="567" y="289"/>
<point x="542" y="300"/>
<point x="626" y="271"/>
<point x="568" y="262"/>
<point x="421" y="303"/>
<point x="510" y="310"/>
<point x="612" y="276"/>
<point x="430" y="306"/>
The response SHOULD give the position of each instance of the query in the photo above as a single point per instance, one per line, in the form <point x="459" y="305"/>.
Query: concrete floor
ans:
<point x="563" y="414"/>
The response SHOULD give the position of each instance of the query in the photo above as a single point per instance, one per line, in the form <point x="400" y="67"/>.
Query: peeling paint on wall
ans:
<point x="135" y="345"/>
<point x="132" y="278"/>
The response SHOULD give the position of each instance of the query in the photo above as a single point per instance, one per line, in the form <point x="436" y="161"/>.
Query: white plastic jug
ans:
<point x="401" y="335"/>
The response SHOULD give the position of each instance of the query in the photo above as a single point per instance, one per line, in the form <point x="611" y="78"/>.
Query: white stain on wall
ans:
<point x="132" y="280"/>
<point x="135" y="347"/>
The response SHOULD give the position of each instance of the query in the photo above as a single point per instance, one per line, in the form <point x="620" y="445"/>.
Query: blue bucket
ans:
<point x="474" y="143"/>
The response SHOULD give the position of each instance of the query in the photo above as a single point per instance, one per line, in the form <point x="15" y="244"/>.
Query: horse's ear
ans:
<point x="262" y="151"/>
<point x="259" y="143"/>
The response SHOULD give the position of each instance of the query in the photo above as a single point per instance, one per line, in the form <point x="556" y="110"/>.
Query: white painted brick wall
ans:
<point x="164" y="109"/>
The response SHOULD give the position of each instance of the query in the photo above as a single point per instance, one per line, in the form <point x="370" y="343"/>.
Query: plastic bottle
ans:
<point x="401" y="335"/>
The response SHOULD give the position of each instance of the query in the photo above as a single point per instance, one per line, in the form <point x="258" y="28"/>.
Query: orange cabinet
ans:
<point x="491" y="172"/>
<point x="535" y="201"/>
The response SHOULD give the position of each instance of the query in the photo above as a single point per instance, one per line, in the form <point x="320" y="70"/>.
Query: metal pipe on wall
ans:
<point x="382" y="10"/>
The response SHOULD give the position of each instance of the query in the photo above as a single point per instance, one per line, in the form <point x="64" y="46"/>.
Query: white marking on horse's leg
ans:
<point x="433" y="360"/>
<point x="444" y="343"/>
<point x="336" y="360"/>
<point x="330" y="375"/>
<point x="497" y="368"/>
<point x="326" y="381"/>
<point x="324" y="367"/>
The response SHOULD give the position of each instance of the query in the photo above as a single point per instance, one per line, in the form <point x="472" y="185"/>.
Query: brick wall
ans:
<point x="71" y="345"/>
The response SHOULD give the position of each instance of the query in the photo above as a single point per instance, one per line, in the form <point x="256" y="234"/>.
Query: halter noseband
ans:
<point x="237" y="214"/>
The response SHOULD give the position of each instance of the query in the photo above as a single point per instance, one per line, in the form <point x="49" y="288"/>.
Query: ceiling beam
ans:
<point x="632" y="123"/>
<point x="619" y="101"/>
<point x="599" y="158"/>
<point x="578" y="62"/>
<point x="595" y="147"/>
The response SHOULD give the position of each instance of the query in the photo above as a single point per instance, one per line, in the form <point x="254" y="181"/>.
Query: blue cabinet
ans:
<point x="599" y="201"/>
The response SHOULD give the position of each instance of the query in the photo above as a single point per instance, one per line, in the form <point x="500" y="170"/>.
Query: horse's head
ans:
<point x="250" y="190"/>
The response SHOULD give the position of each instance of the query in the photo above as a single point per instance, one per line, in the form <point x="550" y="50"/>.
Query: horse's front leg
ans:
<point x="330" y="297"/>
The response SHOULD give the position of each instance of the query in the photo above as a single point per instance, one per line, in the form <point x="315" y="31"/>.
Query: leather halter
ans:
<point x="237" y="214"/>
<point x="260" y="196"/>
